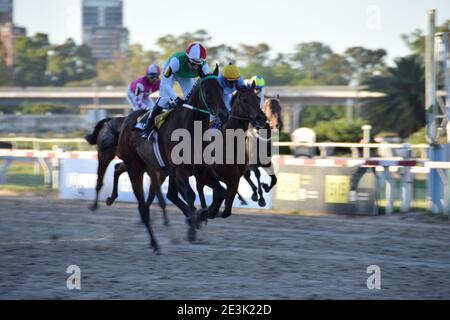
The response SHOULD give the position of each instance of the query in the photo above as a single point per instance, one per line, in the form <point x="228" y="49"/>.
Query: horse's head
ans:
<point x="246" y="106"/>
<point x="272" y="109"/>
<point x="211" y="95"/>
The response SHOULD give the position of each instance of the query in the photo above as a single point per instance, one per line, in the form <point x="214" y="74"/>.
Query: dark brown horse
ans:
<point x="245" y="110"/>
<point x="105" y="136"/>
<point x="272" y="110"/>
<point x="139" y="155"/>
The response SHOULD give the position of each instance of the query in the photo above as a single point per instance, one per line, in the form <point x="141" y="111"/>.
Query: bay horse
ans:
<point x="272" y="110"/>
<point x="106" y="136"/>
<point x="245" y="110"/>
<point x="139" y="155"/>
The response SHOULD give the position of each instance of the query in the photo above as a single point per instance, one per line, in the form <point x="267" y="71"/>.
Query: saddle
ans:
<point x="160" y="119"/>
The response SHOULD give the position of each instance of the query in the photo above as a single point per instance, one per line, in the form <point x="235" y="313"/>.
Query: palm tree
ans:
<point x="402" y="108"/>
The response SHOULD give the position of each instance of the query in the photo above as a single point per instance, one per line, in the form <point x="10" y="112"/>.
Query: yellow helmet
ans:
<point x="231" y="72"/>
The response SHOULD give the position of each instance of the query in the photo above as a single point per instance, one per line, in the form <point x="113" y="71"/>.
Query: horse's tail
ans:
<point x="92" y="137"/>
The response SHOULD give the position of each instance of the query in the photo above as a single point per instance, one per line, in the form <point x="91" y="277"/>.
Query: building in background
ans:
<point x="6" y="11"/>
<point x="9" y="32"/>
<point x="103" y="29"/>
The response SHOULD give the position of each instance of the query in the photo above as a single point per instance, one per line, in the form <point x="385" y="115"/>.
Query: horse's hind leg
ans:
<point x="104" y="158"/>
<point x="261" y="201"/>
<point x="273" y="179"/>
<point x="136" y="177"/>
<point x="161" y="200"/>
<point x="119" y="168"/>
<point x="252" y="185"/>
<point x="241" y="198"/>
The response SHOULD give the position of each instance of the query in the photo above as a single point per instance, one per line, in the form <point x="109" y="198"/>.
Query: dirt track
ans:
<point x="248" y="256"/>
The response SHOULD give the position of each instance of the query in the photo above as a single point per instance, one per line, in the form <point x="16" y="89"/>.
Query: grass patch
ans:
<point x="21" y="179"/>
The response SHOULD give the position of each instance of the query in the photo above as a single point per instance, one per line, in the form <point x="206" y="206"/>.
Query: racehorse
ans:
<point x="141" y="155"/>
<point x="272" y="110"/>
<point x="245" y="110"/>
<point x="105" y="136"/>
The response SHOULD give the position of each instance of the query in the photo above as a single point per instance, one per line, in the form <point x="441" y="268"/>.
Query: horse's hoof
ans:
<point x="191" y="234"/>
<point x="202" y="214"/>
<point x="254" y="197"/>
<point x="225" y="214"/>
<point x="109" y="201"/>
<point x="167" y="223"/>
<point x="93" y="207"/>
<point x="244" y="203"/>
<point x="265" y="186"/>
<point x="262" y="202"/>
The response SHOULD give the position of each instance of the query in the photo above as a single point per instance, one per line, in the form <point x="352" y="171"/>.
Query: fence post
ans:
<point x="406" y="188"/>
<point x="55" y="167"/>
<point x="366" y="137"/>
<point x="390" y="190"/>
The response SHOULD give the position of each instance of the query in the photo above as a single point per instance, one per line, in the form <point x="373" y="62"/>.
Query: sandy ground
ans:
<point x="248" y="256"/>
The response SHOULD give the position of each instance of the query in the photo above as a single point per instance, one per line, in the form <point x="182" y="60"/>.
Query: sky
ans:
<point x="280" y="23"/>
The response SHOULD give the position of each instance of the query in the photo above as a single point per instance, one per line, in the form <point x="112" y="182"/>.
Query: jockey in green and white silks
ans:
<point x="182" y="67"/>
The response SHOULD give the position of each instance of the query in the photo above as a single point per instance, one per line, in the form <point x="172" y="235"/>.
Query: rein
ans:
<point x="202" y="97"/>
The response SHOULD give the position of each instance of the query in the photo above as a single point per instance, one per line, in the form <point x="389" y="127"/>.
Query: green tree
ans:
<point x="416" y="39"/>
<point x="258" y="54"/>
<point x="69" y="62"/>
<point x="340" y="130"/>
<point x="401" y="109"/>
<point x="364" y="63"/>
<point x="309" y="58"/>
<point x="311" y="115"/>
<point x="5" y="70"/>
<point x="30" y="62"/>
<point x="334" y="71"/>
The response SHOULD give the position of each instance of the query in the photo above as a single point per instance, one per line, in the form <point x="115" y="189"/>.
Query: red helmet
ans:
<point x="152" y="69"/>
<point x="196" y="53"/>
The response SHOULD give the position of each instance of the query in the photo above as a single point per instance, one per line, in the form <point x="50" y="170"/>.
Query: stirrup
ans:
<point x="140" y="126"/>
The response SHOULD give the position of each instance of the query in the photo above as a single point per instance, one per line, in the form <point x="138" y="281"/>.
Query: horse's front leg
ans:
<point x="231" y="193"/>
<point x="261" y="201"/>
<point x="182" y="182"/>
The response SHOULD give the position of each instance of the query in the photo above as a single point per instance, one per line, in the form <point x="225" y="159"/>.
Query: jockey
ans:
<point x="229" y="78"/>
<point x="259" y="88"/>
<point x="139" y="91"/>
<point x="182" y="67"/>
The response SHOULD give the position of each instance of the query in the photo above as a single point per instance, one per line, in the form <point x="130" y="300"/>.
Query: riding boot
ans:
<point x="150" y="126"/>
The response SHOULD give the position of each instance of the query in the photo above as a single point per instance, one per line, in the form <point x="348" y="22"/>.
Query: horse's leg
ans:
<point x="104" y="158"/>
<point x="241" y="198"/>
<point x="219" y="194"/>
<point x="182" y="179"/>
<point x="252" y="185"/>
<point x="119" y="168"/>
<point x="172" y="195"/>
<point x="136" y="177"/>
<point x="161" y="200"/>
<point x="273" y="179"/>
<point x="201" y="194"/>
<point x="231" y="193"/>
<point x="261" y="201"/>
<point x="155" y="188"/>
